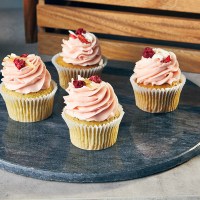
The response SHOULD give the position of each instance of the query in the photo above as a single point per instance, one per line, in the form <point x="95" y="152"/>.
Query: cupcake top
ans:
<point x="25" y="73"/>
<point x="90" y="99"/>
<point x="157" y="67"/>
<point x="82" y="48"/>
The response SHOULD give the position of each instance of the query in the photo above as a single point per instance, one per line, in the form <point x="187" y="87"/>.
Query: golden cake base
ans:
<point x="31" y="107"/>
<point x="93" y="135"/>
<point x="60" y="62"/>
<point x="158" y="99"/>
<point x="68" y="71"/>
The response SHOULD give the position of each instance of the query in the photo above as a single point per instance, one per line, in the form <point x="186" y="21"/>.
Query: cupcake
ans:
<point x="157" y="81"/>
<point x="27" y="88"/>
<point x="81" y="55"/>
<point x="92" y="113"/>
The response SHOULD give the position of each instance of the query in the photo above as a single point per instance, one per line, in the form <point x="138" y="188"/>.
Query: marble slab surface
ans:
<point x="147" y="143"/>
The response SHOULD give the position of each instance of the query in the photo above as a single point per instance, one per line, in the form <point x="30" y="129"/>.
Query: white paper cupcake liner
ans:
<point x="66" y="74"/>
<point x="29" y="109"/>
<point x="157" y="100"/>
<point x="95" y="137"/>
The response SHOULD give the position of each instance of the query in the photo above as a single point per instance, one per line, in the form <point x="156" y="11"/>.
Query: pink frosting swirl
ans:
<point x="93" y="102"/>
<point x="76" y="52"/>
<point x="31" y="78"/>
<point x="156" y="72"/>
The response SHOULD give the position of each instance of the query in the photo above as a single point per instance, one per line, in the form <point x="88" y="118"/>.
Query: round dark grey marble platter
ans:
<point x="147" y="143"/>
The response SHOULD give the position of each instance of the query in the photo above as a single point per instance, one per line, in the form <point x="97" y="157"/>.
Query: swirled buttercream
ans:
<point x="159" y="69"/>
<point x="31" y="77"/>
<point x="81" y="49"/>
<point x="91" y="102"/>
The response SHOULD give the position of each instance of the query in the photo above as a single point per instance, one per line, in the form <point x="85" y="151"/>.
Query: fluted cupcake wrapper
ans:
<point x="95" y="137"/>
<point x="29" y="109"/>
<point x="157" y="100"/>
<point x="66" y="74"/>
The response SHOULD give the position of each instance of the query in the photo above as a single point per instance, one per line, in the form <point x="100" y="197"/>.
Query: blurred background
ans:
<point x="12" y="37"/>
<point x="12" y="34"/>
<point x="11" y="4"/>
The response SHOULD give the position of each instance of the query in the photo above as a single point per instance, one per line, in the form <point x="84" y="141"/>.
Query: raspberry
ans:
<point x="19" y="63"/>
<point x="95" y="79"/>
<point x="78" y="84"/>
<point x="83" y="39"/>
<point x="148" y="52"/>
<point x="72" y="36"/>
<point x="80" y="31"/>
<point x="166" y="60"/>
<point x="24" y="55"/>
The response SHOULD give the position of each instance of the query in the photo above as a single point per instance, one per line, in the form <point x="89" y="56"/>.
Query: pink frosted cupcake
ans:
<point x="81" y="55"/>
<point x="157" y="81"/>
<point x="27" y="88"/>
<point x="92" y="113"/>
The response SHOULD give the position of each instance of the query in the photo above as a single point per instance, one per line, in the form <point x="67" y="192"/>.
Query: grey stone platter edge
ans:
<point x="93" y="178"/>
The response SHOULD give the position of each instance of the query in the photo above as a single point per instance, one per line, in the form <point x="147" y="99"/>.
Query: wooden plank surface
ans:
<point x="50" y="44"/>
<point x="192" y="6"/>
<point x="120" y="23"/>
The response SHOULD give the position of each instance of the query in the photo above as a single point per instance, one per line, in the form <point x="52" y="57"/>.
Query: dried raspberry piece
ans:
<point x="72" y="36"/>
<point x="78" y="84"/>
<point x="19" y="63"/>
<point x="80" y="31"/>
<point x="83" y="39"/>
<point x="24" y="55"/>
<point x="166" y="60"/>
<point x="95" y="79"/>
<point x="148" y="52"/>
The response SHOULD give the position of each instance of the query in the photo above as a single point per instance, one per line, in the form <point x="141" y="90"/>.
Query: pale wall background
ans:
<point x="11" y="3"/>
